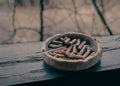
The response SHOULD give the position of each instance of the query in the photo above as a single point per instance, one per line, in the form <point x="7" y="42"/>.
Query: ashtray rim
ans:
<point x="99" y="50"/>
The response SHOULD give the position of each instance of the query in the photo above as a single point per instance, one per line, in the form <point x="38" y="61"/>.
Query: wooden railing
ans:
<point x="22" y="64"/>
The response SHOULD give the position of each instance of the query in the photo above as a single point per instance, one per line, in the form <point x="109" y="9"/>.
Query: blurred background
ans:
<point x="36" y="20"/>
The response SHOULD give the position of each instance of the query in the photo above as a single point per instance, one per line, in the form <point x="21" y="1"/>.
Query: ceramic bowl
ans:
<point x="72" y="64"/>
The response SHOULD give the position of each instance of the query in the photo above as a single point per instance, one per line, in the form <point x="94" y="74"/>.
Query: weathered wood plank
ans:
<point x="22" y="63"/>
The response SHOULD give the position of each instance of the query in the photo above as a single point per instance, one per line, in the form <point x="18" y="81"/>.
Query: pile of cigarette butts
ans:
<point x="70" y="47"/>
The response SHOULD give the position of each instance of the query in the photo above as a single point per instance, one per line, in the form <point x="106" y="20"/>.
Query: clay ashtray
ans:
<point x="71" y="51"/>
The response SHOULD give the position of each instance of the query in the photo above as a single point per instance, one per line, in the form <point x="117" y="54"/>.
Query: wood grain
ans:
<point x="22" y="63"/>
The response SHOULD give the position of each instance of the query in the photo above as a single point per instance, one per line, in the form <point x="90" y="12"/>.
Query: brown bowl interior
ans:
<point x="90" y="41"/>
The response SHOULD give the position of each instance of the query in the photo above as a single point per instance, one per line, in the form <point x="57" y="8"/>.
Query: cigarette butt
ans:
<point x="60" y="52"/>
<point x="52" y="53"/>
<point x="54" y="45"/>
<point x="78" y="42"/>
<point x="67" y="40"/>
<point x="60" y="48"/>
<point x="92" y="53"/>
<point x="56" y="54"/>
<point x="64" y="49"/>
<point x="74" y="49"/>
<point x="63" y="39"/>
<point x="82" y="50"/>
<point x="87" y="53"/>
<point x="89" y="48"/>
<point x="56" y="42"/>
<point x="82" y="44"/>
<point x="73" y="41"/>
<point x="68" y="50"/>
<point x="80" y="57"/>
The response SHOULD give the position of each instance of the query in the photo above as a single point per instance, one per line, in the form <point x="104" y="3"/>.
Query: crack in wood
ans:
<point x="105" y="49"/>
<point x="9" y="63"/>
<point x="117" y="39"/>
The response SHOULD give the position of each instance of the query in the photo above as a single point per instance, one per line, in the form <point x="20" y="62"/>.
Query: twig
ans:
<point x="102" y="17"/>
<point x="41" y="19"/>
<point x="75" y="15"/>
<point x="13" y="22"/>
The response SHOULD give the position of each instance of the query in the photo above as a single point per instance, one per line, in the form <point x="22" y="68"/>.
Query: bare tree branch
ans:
<point x="41" y="19"/>
<point x="13" y="22"/>
<point x="102" y="17"/>
<point x="75" y="16"/>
